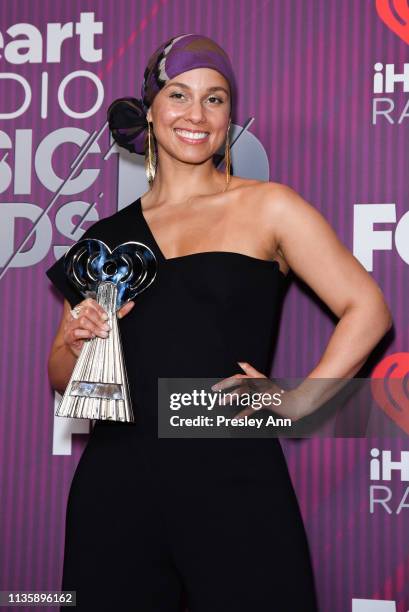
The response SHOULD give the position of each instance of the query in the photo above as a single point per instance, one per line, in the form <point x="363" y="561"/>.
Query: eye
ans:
<point x="219" y="100"/>
<point x="214" y="99"/>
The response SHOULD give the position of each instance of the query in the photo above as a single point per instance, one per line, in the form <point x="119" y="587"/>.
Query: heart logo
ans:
<point x="390" y="388"/>
<point x="130" y="266"/>
<point x="395" y="14"/>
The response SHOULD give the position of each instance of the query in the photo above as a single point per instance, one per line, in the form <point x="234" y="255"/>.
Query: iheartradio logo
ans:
<point x="395" y="14"/>
<point x="390" y="388"/>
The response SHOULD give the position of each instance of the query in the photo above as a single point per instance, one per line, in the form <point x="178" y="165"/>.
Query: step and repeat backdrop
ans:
<point x="324" y="103"/>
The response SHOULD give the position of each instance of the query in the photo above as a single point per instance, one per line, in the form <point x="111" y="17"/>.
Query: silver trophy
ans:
<point x="98" y="387"/>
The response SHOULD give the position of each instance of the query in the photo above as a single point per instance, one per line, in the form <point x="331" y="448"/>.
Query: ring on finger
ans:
<point x="75" y="312"/>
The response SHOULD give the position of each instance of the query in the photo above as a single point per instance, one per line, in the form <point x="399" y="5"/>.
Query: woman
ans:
<point x="148" y="518"/>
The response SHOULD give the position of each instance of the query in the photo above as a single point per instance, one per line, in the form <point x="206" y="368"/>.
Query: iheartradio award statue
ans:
<point x="98" y="387"/>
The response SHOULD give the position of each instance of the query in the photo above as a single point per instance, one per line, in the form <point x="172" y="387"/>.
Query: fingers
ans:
<point x="249" y="370"/>
<point x="232" y="381"/>
<point x="90" y="305"/>
<point x="125" y="309"/>
<point x="92" y="320"/>
<point x="227" y="398"/>
<point x="86" y="329"/>
<point x="91" y="309"/>
<point x="228" y="383"/>
<point x="75" y="334"/>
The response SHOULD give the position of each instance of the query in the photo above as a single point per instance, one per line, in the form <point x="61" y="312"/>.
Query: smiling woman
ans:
<point x="195" y="136"/>
<point x="173" y="516"/>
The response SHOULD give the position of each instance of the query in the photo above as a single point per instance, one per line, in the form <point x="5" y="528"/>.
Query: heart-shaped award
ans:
<point x="98" y="387"/>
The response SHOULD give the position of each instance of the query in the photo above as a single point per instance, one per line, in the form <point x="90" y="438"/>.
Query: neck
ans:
<point x="179" y="182"/>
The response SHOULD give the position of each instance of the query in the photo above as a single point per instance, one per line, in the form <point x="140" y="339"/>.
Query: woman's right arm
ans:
<point x="71" y="335"/>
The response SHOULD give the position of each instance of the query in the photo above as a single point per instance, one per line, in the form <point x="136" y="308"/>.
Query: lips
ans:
<point x="191" y="135"/>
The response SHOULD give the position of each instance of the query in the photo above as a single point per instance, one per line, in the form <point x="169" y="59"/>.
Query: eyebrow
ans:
<point x="184" y="86"/>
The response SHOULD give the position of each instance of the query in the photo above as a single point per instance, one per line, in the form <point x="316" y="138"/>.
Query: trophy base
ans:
<point x="99" y="390"/>
<point x="101" y="408"/>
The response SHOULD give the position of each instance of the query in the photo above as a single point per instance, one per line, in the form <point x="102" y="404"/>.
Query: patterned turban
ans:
<point x="127" y="116"/>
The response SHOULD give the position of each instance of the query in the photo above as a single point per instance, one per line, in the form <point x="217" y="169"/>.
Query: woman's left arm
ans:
<point x="314" y="252"/>
<point x="312" y="249"/>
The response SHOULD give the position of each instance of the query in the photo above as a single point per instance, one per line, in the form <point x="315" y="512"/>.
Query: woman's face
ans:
<point x="191" y="113"/>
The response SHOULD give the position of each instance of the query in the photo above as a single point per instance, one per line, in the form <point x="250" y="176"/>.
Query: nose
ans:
<point x="196" y="112"/>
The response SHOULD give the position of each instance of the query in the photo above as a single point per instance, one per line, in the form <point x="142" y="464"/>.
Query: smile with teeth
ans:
<point x="185" y="134"/>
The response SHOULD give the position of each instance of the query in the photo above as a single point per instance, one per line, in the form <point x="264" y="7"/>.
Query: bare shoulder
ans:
<point x="305" y="242"/>
<point x="271" y="205"/>
<point x="293" y="220"/>
<point x="314" y="251"/>
<point x="281" y="208"/>
<point x="241" y="184"/>
<point x="281" y="200"/>
<point x="266" y="197"/>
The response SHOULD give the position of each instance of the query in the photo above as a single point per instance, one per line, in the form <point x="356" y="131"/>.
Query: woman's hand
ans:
<point x="288" y="407"/>
<point x="87" y="320"/>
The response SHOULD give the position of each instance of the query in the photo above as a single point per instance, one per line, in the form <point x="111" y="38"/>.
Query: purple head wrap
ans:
<point x="127" y="116"/>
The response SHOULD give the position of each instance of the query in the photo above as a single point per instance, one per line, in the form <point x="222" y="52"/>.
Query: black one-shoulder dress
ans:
<point x="154" y="524"/>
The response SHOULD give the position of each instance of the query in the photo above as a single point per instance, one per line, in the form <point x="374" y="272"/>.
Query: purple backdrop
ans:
<point x="327" y="84"/>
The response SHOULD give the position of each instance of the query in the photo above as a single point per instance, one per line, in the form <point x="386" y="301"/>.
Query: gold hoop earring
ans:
<point x="227" y="157"/>
<point x="150" y="156"/>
